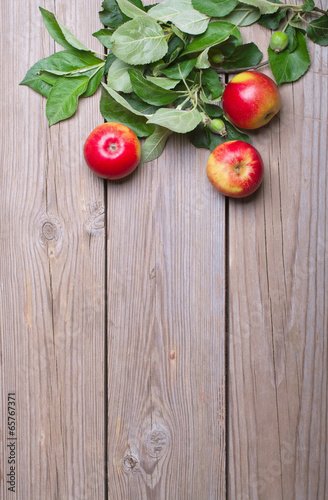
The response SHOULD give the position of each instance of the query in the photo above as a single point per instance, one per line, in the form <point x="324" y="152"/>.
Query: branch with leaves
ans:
<point x="161" y="70"/>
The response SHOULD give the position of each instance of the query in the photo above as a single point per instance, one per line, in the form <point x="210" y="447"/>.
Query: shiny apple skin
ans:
<point x="235" y="169"/>
<point x="112" y="150"/>
<point x="251" y="99"/>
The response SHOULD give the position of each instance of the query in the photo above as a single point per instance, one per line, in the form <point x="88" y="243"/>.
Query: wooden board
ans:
<point x="166" y="396"/>
<point x="52" y="275"/>
<point x="114" y="302"/>
<point x="278" y="303"/>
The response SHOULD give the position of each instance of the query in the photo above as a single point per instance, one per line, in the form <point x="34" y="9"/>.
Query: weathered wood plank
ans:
<point x="52" y="274"/>
<point x="278" y="305"/>
<point x="166" y="436"/>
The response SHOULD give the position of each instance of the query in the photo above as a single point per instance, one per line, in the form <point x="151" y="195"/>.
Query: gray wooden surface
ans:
<point x="162" y="342"/>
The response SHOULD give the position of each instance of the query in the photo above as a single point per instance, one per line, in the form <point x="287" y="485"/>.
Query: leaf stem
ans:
<point x="288" y="22"/>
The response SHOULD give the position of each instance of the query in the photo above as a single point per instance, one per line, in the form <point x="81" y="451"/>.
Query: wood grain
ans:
<point x="52" y="274"/>
<point x="278" y="303"/>
<point x="166" y="396"/>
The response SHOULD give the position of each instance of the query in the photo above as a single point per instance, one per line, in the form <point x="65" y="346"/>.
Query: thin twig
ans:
<point x="239" y="70"/>
<point x="316" y="9"/>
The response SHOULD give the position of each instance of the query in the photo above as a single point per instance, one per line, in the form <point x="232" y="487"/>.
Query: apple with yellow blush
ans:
<point x="235" y="169"/>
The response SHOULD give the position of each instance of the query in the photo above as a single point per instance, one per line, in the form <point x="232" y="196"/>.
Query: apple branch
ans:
<point x="239" y="70"/>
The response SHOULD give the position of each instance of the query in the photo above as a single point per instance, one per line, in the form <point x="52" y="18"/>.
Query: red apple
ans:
<point x="251" y="99"/>
<point x="235" y="168"/>
<point x="112" y="150"/>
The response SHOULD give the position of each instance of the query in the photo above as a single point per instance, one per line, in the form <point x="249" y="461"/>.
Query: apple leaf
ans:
<point x="111" y="16"/>
<point x="245" y="55"/>
<point x="177" y="120"/>
<point x="317" y="30"/>
<point x="182" y="15"/>
<point x="216" y="33"/>
<point x="124" y="102"/>
<point x="154" y="144"/>
<point x="180" y="70"/>
<point x="61" y="34"/>
<point x="215" y="8"/>
<point x="290" y="66"/>
<point x="234" y="134"/>
<point x="104" y="36"/>
<point x="138" y="105"/>
<point x="213" y="83"/>
<point x="272" y="21"/>
<point x="140" y="41"/>
<point x="308" y="5"/>
<point x="63" y="62"/>
<point x="264" y="6"/>
<point x="63" y="98"/>
<point x="131" y="9"/>
<point x="243" y="15"/>
<point x="113" y="111"/>
<point x="163" y="82"/>
<point x="94" y="82"/>
<point x="118" y="77"/>
<point x="149" y="91"/>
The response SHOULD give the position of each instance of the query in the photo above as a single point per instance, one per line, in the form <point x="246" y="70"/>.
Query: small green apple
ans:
<point x="278" y="41"/>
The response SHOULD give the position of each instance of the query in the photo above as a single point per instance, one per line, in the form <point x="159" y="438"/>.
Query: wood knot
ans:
<point x="97" y="221"/>
<point x="131" y="463"/>
<point x="157" y="443"/>
<point x="48" y="231"/>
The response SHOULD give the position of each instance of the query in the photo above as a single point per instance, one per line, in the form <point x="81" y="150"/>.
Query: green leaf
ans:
<point x="138" y="105"/>
<point x="63" y="62"/>
<point x="177" y="120"/>
<point x="111" y="16"/>
<point x="113" y="111"/>
<point x="175" y="46"/>
<point x="87" y="71"/>
<point x="104" y="36"/>
<point x="290" y="66"/>
<point x="123" y="102"/>
<point x="61" y="34"/>
<point x="131" y="10"/>
<point x="154" y="144"/>
<point x="109" y="61"/>
<point x="180" y="69"/>
<point x="49" y="78"/>
<point x="217" y="32"/>
<point x="213" y="110"/>
<point x="200" y="137"/>
<point x="317" y="30"/>
<point x="215" y="8"/>
<point x="234" y="134"/>
<point x="272" y="21"/>
<point x="264" y="6"/>
<point x="292" y="38"/>
<point x="149" y="92"/>
<point x="246" y="55"/>
<point x="182" y="14"/>
<point x="297" y="22"/>
<point x="163" y="82"/>
<point x="243" y="15"/>
<point x="63" y="98"/>
<point x="308" y="5"/>
<point x="140" y="41"/>
<point x="203" y="61"/>
<point x="118" y="77"/>
<point x="212" y="81"/>
<point x="94" y="82"/>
